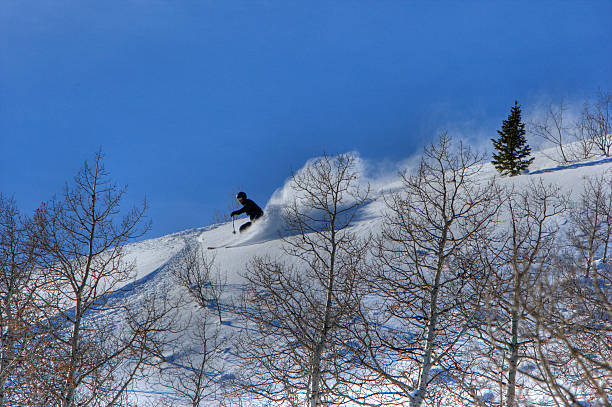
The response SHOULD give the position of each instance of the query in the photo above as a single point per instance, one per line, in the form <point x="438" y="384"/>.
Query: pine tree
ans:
<point x="511" y="145"/>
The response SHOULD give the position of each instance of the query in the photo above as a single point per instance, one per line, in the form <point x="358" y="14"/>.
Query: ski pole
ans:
<point x="233" y="227"/>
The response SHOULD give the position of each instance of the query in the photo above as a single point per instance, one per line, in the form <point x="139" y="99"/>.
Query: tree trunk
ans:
<point x="417" y="401"/>
<point x="68" y="400"/>
<point x="4" y="366"/>
<point x="316" y="371"/>
<point x="514" y="347"/>
<point x="315" y="397"/>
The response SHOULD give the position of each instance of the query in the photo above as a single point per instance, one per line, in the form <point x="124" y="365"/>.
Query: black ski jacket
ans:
<point x="250" y="208"/>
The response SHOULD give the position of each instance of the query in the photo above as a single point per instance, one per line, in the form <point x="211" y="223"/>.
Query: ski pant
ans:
<point x="248" y="224"/>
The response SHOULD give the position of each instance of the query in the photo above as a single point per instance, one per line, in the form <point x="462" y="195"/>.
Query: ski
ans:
<point x="221" y="246"/>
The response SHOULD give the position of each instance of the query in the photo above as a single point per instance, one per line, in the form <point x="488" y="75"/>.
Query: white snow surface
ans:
<point x="232" y="252"/>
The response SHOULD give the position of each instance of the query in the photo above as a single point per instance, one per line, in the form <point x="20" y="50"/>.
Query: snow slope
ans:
<point x="232" y="252"/>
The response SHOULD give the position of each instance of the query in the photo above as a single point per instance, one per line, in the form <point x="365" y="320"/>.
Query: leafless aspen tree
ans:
<point x="431" y="227"/>
<point x="194" y="376"/>
<point x="597" y="123"/>
<point x="556" y="129"/>
<point x="572" y="316"/>
<point x="525" y="259"/>
<point x="293" y="349"/>
<point x="195" y="271"/>
<point x="591" y="224"/>
<point x="521" y="255"/>
<point x="98" y="347"/>
<point x="20" y="320"/>
<point x="585" y="146"/>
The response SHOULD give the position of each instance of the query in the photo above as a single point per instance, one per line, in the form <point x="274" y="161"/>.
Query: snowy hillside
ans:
<point x="232" y="254"/>
<point x="233" y="251"/>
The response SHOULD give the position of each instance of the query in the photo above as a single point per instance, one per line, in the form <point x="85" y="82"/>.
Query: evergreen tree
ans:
<point x="511" y="146"/>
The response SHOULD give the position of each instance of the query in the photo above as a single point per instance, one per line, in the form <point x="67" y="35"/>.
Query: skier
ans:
<point x="249" y="207"/>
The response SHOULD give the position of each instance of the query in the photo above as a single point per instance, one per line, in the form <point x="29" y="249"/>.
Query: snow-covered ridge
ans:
<point x="233" y="251"/>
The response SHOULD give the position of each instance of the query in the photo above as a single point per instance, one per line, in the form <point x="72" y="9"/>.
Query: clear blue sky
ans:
<point x="193" y="100"/>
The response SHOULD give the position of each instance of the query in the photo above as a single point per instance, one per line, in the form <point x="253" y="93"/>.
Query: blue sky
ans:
<point x="192" y="101"/>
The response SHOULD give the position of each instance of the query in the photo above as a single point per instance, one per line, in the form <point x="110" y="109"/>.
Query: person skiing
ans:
<point x="249" y="207"/>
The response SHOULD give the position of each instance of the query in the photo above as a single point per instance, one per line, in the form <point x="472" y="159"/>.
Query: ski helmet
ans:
<point x="240" y="195"/>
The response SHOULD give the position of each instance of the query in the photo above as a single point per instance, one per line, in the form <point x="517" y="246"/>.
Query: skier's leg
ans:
<point x="245" y="227"/>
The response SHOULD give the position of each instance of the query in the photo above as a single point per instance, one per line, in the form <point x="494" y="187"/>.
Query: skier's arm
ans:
<point x="238" y="211"/>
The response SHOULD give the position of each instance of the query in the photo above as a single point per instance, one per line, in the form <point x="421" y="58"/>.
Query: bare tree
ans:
<point x="194" y="371"/>
<point x="589" y="133"/>
<point x="20" y="320"/>
<point x="431" y="227"/>
<point x="596" y="121"/>
<point x="585" y="146"/>
<point x="195" y="270"/>
<point x="194" y="375"/>
<point x="573" y="340"/>
<point x="573" y="309"/>
<point x="554" y="128"/>
<point x="99" y="345"/>
<point x="523" y="260"/>
<point x="591" y="224"/>
<point x="293" y="350"/>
